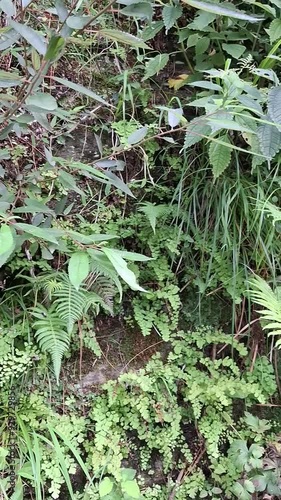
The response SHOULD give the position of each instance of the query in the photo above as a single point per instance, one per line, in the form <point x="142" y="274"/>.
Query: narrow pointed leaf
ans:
<point x="81" y="90"/>
<point x="221" y="10"/>
<point x="31" y="36"/>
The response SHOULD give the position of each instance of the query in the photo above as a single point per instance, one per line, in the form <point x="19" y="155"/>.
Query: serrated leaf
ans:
<point x="81" y="89"/>
<point x="140" y="10"/>
<point x="170" y="14"/>
<point x="41" y="101"/>
<point x="274" y="104"/>
<point x="151" y="30"/>
<point x="78" y="268"/>
<point x="234" y="49"/>
<point x="137" y="136"/>
<point x="221" y="10"/>
<point x="269" y="140"/>
<point x="105" y="486"/>
<point x="219" y="156"/>
<point x="202" y="20"/>
<point x="34" y="38"/>
<point x="122" y="37"/>
<point x="274" y="30"/>
<point x="195" y="131"/>
<point x="7" y="243"/>
<point x="155" y="64"/>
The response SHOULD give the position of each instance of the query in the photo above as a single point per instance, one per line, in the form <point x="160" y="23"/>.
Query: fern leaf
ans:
<point x="263" y="295"/>
<point x="70" y="303"/>
<point x="51" y="334"/>
<point x="101" y="266"/>
<point x="153" y="212"/>
<point x="220" y="156"/>
<point x="103" y="288"/>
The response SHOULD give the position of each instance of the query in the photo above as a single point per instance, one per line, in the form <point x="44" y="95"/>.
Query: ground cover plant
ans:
<point x="140" y="249"/>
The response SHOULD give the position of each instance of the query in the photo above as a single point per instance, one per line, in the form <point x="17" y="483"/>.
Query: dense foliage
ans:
<point x="139" y="183"/>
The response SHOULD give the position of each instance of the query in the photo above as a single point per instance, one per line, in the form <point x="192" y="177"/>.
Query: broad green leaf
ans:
<point x="131" y="488"/>
<point x="274" y="30"/>
<point x="122" y="269"/>
<point x="128" y="474"/>
<point x="175" y="116"/>
<point x="192" y="40"/>
<point x="31" y="36"/>
<point x="140" y="10"/>
<point x="219" y="156"/>
<point x="234" y="49"/>
<point x="202" y="45"/>
<point x="195" y="132"/>
<point x="137" y="136"/>
<point x="7" y="243"/>
<point x="274" y="104"/>
<point x="78" y="22"/>
<point x="8" y="7"/>
<point x="78" y="268"/>
<point x="202" y="20"/>
<point x="40" y="232"/>
<point x="54" y="48"/>
<point x="155" y="64"/>
<point x="170" y="14"/>
<point x="9" y="79"/>
<point x="105" y="486"/>
<point x="221" y="10"/>
<point x="81" y="89"/>
<point x="122" y="37"/>
<point x="42" y="101"/>
<point x="269" y="140"/>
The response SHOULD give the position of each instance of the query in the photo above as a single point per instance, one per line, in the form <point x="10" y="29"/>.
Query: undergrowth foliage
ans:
<point x="139" y="178"/>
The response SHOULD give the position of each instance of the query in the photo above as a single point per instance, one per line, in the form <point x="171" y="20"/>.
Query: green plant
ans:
<point x="270" y="300"/>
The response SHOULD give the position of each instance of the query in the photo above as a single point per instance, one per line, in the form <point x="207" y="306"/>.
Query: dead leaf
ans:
<point x="178" y="82"/>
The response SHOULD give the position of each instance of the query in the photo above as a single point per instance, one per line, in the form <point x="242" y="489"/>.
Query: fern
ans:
<point x="271" y="302"/>
<point x="70" y="303"/>
<point x="103" y="288"/>
<point x="101" y="266"/>
<point x="51" y="334"/>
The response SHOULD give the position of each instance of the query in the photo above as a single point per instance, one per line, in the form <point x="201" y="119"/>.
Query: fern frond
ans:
<point x="51" y="334"/>
<point x="103" y="287"/>
<point x="263" y="295"/>
<point x="70" y="303"/>
<point x="101" y="266"/>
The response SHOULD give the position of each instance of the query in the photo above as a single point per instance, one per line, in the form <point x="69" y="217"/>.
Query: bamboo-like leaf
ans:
<point x="35" y="39"/>
<point x="221" y="10"/>
<point x="122" y="37"/>
<point x="81" y="90"/>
